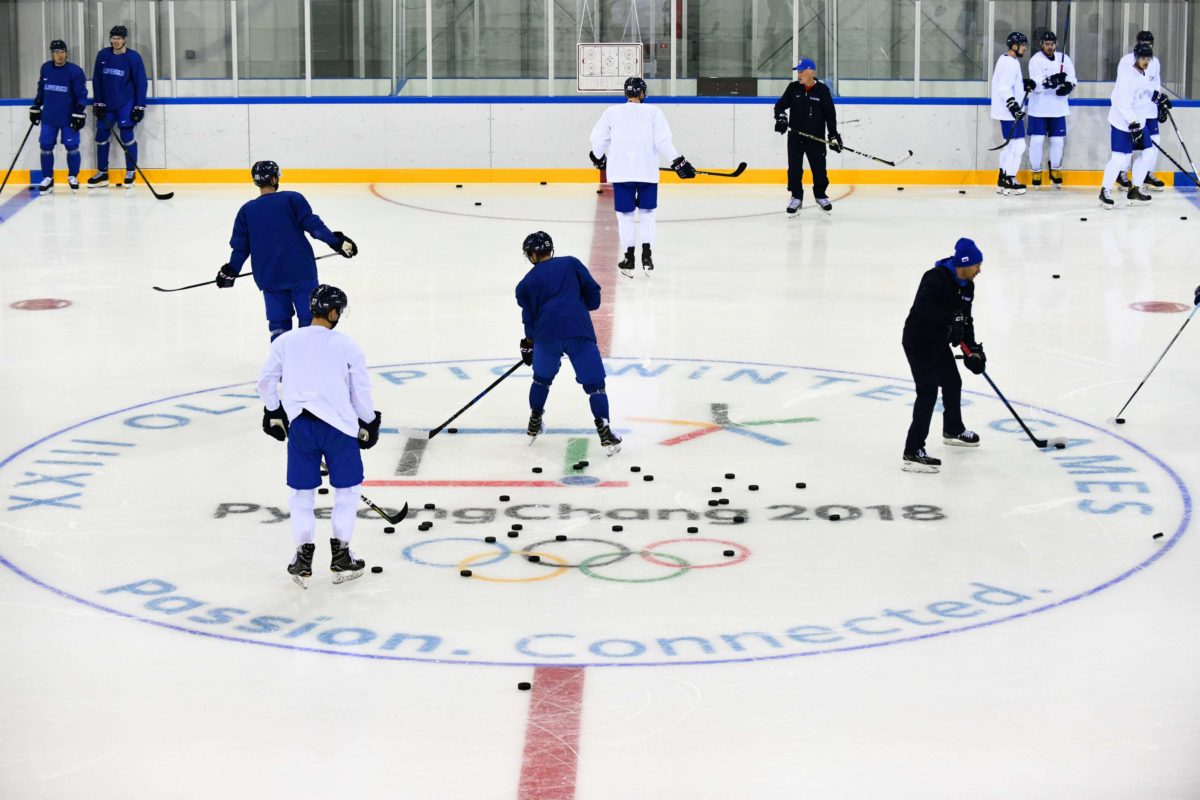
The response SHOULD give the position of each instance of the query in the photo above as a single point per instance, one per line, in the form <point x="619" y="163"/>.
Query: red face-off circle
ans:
<point x="40" y="304"/>
<point x="1159" y="307"/>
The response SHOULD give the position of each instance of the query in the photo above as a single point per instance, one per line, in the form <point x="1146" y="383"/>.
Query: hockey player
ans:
<point x="1130" y="95"/>
<point x="1053" y="75"/>
<point x="941" y="316"/>
<point x="806" y="105"/>
<point x="270" y="231"/>
<point x="119" y="84"/>
<point x="1154" y="109"/>
<point x="58" y="108"/>
<point x="635" y="135"/>
<point x="321" y="412"/>
<point x="555" y="298"/>
<point x="1007" y="84"/>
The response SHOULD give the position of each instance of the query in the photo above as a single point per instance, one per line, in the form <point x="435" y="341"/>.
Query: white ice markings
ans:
<point x="91" y="453"/>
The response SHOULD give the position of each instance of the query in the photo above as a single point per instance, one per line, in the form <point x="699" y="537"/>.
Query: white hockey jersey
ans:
<point x="635" y="137"/>
<point x="1045" y="102"/>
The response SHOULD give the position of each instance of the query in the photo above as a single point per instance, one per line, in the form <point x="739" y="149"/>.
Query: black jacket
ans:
<point x="939" y="300"/>
<point x="809" y="111"/>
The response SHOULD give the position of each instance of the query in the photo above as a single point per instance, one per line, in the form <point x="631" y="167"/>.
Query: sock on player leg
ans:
<point x="646" y="228"/>
<point x="304" y="524"/>
<point x="345" y="511"/>
<point x="627" y="229"/>
<point x="1117" y="162"/>
<point x="1057" y="143"/>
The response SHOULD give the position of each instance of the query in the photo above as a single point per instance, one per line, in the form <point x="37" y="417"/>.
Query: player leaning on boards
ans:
<point x="1154" y="110"/>
<point x="1130" y="95"/>
<point x="1007" y="85"/>
<point x="556" y="297"/>
<point x="269" y="230"/>
<point x="326" y="395"/>
<point x="939" y="318"/>
<point x="806" y="106"/>
<point x="627" y="142"/>
<point x="58" y="108"/>
<point x="1053" y="75"/>
<point x="119" y="86"/>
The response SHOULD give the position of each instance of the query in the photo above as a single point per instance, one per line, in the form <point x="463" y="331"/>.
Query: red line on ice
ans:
<point x="602" y="264"/>
<point x="550" y="761"/>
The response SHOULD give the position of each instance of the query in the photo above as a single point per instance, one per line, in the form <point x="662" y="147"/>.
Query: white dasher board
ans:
<point x="604" y="67"/>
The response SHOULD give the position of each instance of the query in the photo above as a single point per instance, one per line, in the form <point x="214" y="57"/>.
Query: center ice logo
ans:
<point x="757" y="511"/>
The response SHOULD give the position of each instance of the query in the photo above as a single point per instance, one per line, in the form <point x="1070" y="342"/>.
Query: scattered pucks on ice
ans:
<point x="466" y="573"/>
<point x="1120" y="420"/>
<point x="899" y="188"/>
<point x="724" y="501"/>
<point x="1056" y="275"/>
<point x="716" y="489"/>
<point x="599" y="191"/>
<point x="451" y="430"/>
<point x="504" y="498"/>
<point x="1083" y="219"/>
<point x="713" y="503"/>
<point x="962" y="191"/>
<point x="458" y="186"/>
<point x="618" y="528"/>
<point x="583" y="463"/>
<point x="635" y="469"/>
<point x="516" y="526"/>
<point x="524" y="686"/>
<point x="834" y="517"/>
<point x="753" y="487"/>
<point x="424" y="526"/>
<point x="647" y="478"/>
<point x="534" y="559"/>
<point x="730" y="476"/>
<point x="1060" y="446"/>
<point x="693" y="529"/>
<point x="739" y="520"/>
<point x="490" y="539"/>
<point x="389" y="529"/>
<point x="801" y="485"/>
<point x="1183" y="217"/>
<point x="1157" y="535"/>
<point x="543" y="183"/>
<point x="323" y="490"/>
<point x="478" y="203"/>
<point x="728" y="554"/>
<point x="562" y="537"/>
<point x="513" y="534"/>
<point x="430" y="507"/>
<point x="377" y="570"/>
<point x="537" y="470"/>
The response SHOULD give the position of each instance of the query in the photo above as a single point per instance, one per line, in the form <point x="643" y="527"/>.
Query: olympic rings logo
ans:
<point x="549" y="564"/>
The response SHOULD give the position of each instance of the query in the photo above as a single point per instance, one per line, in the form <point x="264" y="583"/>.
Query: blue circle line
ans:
<point x="1162" y="549"/>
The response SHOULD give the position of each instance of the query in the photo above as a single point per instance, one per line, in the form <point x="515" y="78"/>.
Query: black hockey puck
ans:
<point x="543" y="183"/>
<point x="534" y="559"/>
<point x="451" y="430"/>
<point x="490" y="539"/>
<point x="618" y="528"/>
<point x="728" y="554"/>
<point x="424" y="526"/>
<point x="801" y="485"/>
<point x="693" y="529"/>
<point x="504" y="498"/>
<point x="524" y="686"/>
<point x="716" y="489"/>
<point x="599" y="191"/>
<point x="562" y="537"/>
<point x="730" y="476"/>
<point x="1120" y="420"/>
<point x="478" y="203"/>
<point x="1056" y="275"/>
<point x="377" y="570"/>
<point x="1157" y="535"/>
<point x="389" y="529"/>
<point x="899" y="188"/>
<point x="578" y="465"/>
<point x="834" y="517"/>
<point x="458" y="186"/>
<point x="1183" y="217"/>
<point x="430" y="507"/>
<point x="323" y="490"/>
<point x="466" y="573"/>
<point x="713" y="503"/>
<point x="537" y="470"/>
<point x="647" y="478"/>
<point x="724" y="501"/>
<point x="753" y="487"/>
<point x="635" y="469"/>
<point x="1083" y="219"/>
<point x="513" y="534"/>
<point x="962" y="191"/>
<point x="516" y="526"/>
<point x="738" y="520"/>
<point x="583" y="464"/>
<point x="1059" y="446"/>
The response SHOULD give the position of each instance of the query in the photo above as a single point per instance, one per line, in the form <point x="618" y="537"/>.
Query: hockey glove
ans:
<point x="598" y="163"/>
<point x="368" y="432"/>
<point x="957" y="330"/>
<point x="781" y="124"/>
<point x="1029" y="84"/>
<point x="527" y="352"/>
<point x="976" y="359"/>
<point x="78" y="120"/>
<point x="683" y="169"/>
<point x="345" y="246"/>
<point x="138" y="114"/>
<point x="275" y="423"/>
<point x="1135" y="130"/>
<point x="1161" y="100"/>
<point x="99" y="109"/>
<point x="1048" y="82"/>
<point x="1065" y="89"/>
<point x="835" y="142"/>
<point x="1014" y="108"/>
<point x="35" y="115"/>
<point x="1058" y="79"/>
<point x="1197" y="297"/>
<point x="225" y="279"/>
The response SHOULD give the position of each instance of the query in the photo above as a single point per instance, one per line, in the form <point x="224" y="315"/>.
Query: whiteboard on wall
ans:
<point x="604" y="67"/>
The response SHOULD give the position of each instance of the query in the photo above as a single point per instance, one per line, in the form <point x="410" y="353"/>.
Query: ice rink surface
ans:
<point x="1009" y="628"/>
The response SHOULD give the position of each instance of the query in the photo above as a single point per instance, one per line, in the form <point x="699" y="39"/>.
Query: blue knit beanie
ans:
<point x="966" y="254"/>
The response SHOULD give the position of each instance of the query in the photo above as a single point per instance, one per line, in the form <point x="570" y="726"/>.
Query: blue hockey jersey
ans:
<point x="60" y="91"/>
<point x="555" y="298"/>
<point x="119" y="80"/>
<point x="269" y="230"/>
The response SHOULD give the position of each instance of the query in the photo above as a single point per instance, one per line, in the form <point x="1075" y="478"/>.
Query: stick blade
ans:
<point x="740" y="169"/>
<point x="401" y="514"/>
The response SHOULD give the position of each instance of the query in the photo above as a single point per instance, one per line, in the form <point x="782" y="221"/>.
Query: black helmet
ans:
<point x="58" y="44"/>
<point x="326" y="298"/>
<point x="119" y="30"/>
<point x="537" y="243"/>
<point x="1048" y="36"/>
<point x="1145" y="36"/>
<point x="1143" y="50"/>
<point x="634" y="87"/>
<point x="264" y="172"/>
<point x="1015" y="38"/>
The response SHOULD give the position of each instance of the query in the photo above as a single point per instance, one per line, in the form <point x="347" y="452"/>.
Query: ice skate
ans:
<point x="1106" y="200"/>
<point x="1123" y="182"/>
<point x="46" y="186"/>
<point x="920" y="461"/>
<point x="1001" y="183"/>
<point x="794" y="205"/>
<point x="626" y="265"/>
<point x="1015" y="186"/>
<point x="825" y="205"/>
<point x="129" y="174"/>
<point x="301" y="567"/>
<point x="536" y="426"/>
<point x="647" y="261"/>
<point x="73" y="182"/>
<point x="1137" y="197"/>
<point x="1056" y="177"/>
<point x="964" y="439"/>
<point x="608" y="440"/>
<point x="1037" y="180"/>
<point x="98" y="181"/>
<point x="344" y="564"/>
<point x="1153" y="184"/>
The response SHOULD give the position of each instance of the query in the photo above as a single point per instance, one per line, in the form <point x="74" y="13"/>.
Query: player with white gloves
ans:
<point x="1130" y="94"/>
<point x="316" y="396"/>
<point x="627" y="142"/>
<point x="1007" y="85"/>
<point x="1154" y="109"/>
<point x="1053" y="75"/>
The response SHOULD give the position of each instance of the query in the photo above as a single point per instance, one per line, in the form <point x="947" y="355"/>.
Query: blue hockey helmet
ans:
<point x="326" y="298"/>
<point x="537" y="243"/>
<point x="265" y="173"/>
<point x="1016" y="38"/>
<point x="1143" y="50"/>
<point x="119" y="30"/>
<point x="58" y="44"/>
<point x="635" y="86"/>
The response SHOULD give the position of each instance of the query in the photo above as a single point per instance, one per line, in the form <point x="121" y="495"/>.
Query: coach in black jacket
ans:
<point x="807" y="106"/>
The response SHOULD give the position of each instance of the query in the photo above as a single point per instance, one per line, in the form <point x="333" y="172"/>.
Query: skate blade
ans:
<point x="628" y="273"/>
<point x="613" y="449"/>
<point x="348" y="575"/>
<point x="532" y="439"/>
<point x="928" y="469"/>
<point x="301" y="581"/>
<point x="958" y="443"/>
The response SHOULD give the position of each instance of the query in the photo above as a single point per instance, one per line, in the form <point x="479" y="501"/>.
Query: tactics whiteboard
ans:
<point x="604" y="67"/>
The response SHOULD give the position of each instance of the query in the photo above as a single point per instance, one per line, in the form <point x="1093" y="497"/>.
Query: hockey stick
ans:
<point x="1004" y="144"/>
<point x="418" y="434"/>
<point x="1156" y="363"/>
<point x="828" y="143"/>
<point x="1176" y="163"/>
<point x="117" y="137"/>
<point x="1040" y="443"/>
<point x="399" y="515"/>
<point x="15" y="157"/>
<point x="1179" y="136"/>
<point x="740" y="169"/>
<point x="214" y="280"/>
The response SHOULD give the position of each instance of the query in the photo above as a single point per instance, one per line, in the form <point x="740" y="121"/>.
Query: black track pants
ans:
<point x="798" y="148"/>
<point x="931" y="370"/>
